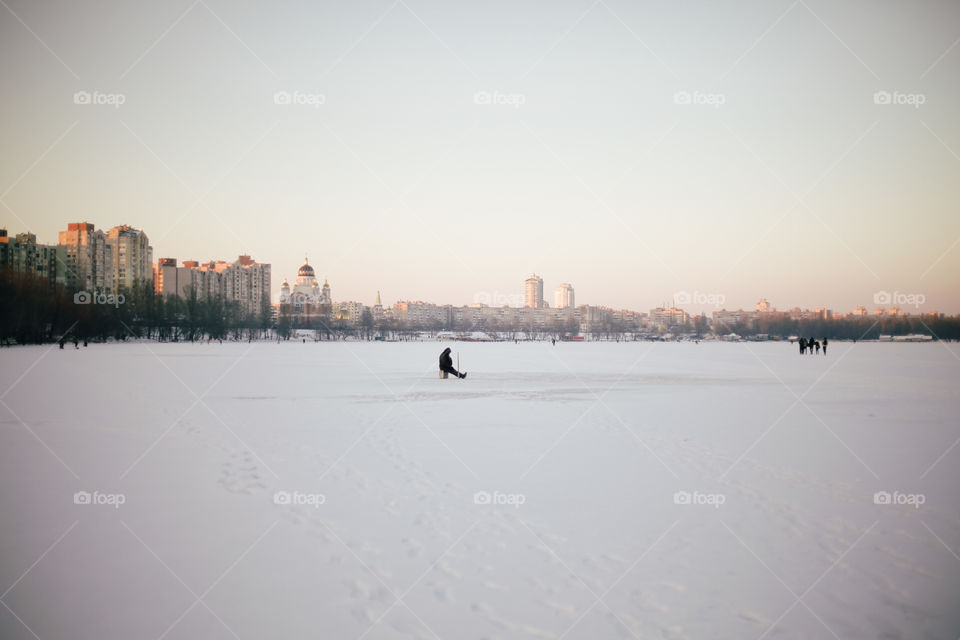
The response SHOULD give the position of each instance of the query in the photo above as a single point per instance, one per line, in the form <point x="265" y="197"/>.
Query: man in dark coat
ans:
<point x="446" y="364"/>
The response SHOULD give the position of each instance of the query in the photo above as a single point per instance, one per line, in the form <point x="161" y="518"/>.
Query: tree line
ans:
<point x="34" y="311"/>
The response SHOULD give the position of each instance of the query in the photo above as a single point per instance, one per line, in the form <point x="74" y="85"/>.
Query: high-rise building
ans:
<point x="533" y="292"/>
<point x="132" y="258"/>
<point x="191" y="279"/>
<point x="88" y="259"/>
<point x="563" y="296"/>
<point x="244" y="281"/>
<point x="247" y="282"/>
<point x="23" y="254"/>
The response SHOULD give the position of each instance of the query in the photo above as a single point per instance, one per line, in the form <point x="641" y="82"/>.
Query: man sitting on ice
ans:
<point x="446" y="364"/>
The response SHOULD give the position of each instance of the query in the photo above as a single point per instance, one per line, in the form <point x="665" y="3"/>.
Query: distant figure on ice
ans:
<point x="446" y="364"/>
<point x="810" y="342"/>
<point x="816" y="345"/>
<point x="824" y="346"/>
<point x="803" y="346"/>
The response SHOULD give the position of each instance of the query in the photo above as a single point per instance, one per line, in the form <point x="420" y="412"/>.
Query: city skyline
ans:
<point x="695" y="302"/>
<point x="635" y="152"/>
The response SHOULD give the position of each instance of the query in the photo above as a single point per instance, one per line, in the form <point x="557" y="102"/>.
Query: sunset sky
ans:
<point x="806" y="151"/>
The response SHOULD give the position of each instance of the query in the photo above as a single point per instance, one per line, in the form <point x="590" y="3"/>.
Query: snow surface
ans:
<point x="581" y="448"/>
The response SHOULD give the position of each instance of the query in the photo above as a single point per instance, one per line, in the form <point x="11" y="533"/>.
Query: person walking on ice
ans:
<point x="446" y="364"/>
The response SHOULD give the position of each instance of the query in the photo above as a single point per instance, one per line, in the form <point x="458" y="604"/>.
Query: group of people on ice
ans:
<point x="809" y="344"/>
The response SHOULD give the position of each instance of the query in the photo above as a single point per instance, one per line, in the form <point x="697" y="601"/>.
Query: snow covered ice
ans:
<point x="596" y="490"/>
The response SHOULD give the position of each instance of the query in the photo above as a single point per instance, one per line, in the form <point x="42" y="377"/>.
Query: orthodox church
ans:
<point x="306" y="302"/>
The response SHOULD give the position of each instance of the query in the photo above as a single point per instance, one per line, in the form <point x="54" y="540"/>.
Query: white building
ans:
<point x="533" y="292"/>
<point x="306" y="290"/>
<point x="306" y="303"/>
<point x="763" y="306"/>
<point x="563" y="296"/>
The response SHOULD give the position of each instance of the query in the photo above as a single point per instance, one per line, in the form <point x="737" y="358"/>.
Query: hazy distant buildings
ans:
<point x="422" y="314"/>
<point x="764" y="307"/>
<point x="533" y="292"/>
<point x="88" y="259"/>
<point x="132" y="258"/>
<point x="563" y="296"/>
<point x="350" y="311"/>
<point x="22" y="253"/>
<point x="668" y="318"/>
<point x="724" y="321"/>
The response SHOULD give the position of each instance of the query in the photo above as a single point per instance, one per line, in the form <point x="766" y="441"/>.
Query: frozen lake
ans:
<point x="597" y="490"/>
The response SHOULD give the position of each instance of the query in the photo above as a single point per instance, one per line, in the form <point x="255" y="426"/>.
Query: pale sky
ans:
<point x="634" y="150"/>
